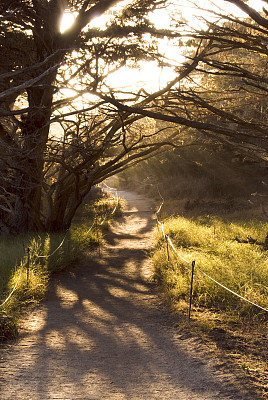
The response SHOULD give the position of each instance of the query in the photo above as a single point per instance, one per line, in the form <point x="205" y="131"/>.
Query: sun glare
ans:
<point x="67" y="21"/>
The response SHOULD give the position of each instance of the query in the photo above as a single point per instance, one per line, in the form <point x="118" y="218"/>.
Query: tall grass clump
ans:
<point x="26" y="283"/>
<point x="242" y="267"/>
<point x="28" y="260"/>
<point x="12" y="251"/>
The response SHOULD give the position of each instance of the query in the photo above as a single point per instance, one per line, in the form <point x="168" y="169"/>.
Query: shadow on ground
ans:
<point x="102" y="333"/>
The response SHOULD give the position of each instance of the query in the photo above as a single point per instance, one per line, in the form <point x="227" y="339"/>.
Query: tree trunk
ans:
<point x="68" y="196"/>
<point x="34" y="135"/>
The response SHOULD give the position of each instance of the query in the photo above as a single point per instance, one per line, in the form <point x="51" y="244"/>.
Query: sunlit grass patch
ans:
<point x="28" y="260"/>
<point x="28" y="278"/>
<point x="99" y="210"/>
<point x="12" y="251"/>
<point x="241" y="267"/>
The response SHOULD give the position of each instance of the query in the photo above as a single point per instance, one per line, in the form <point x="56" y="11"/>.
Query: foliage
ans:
<point x="224" y="99"/>
<point x="58" y="136"/>
<point x="199" y="174"/>
<point x="65" y="126"/>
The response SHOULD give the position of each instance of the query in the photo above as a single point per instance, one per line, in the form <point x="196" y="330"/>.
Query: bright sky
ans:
<point x="188" y="8"/>
<point x="149" y="74"/>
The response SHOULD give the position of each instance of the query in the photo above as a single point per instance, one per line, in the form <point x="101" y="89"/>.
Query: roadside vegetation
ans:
<point x="228" y="325"/>
<point x="212" y="242"/>
<point x="27" y="261"/>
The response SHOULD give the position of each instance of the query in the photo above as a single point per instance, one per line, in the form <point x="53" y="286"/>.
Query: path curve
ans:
<point x="102" y="333"/>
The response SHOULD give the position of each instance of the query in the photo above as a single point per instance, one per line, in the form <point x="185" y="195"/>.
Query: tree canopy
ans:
<point x="50" y="78"/>
<point x="225" y="101"/>
<point x="66" y="126"/>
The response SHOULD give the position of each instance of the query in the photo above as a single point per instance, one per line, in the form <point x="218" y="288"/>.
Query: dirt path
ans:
<point x="102" y="333"/>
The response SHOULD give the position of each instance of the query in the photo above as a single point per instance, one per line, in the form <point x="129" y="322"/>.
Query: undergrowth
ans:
<point x="27" y="261"/>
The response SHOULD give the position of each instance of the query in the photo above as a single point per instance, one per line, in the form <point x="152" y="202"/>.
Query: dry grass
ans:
<point x="228" y="326"/>
<point x="211" y="243"/>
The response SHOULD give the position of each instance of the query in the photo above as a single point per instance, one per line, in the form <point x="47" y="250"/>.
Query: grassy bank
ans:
<point x="230" y="327"/>
<point x="211" y="243"/>
<point x="27" y="261"/>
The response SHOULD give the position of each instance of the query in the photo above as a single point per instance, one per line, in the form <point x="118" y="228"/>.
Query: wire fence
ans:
<point x="170" y="244"/>
<point x="55" y="251"/>
<point x="47" y="256"/>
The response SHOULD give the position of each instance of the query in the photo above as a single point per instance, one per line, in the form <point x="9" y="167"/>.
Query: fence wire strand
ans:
<point x="13" y="290"/>
<point x="55" y="251"/>
<point x="229" y="290"/>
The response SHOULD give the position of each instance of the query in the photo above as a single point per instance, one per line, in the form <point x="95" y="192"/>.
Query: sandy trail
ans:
<point x="102" y="332"/>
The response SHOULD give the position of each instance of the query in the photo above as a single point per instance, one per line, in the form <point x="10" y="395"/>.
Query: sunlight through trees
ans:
<point x="89" y="89"/>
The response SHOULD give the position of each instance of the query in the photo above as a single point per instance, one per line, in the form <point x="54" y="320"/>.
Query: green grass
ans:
<point x="12" y="251"/>
<point x="211" y="243"/>
<point x="27" y="261"/>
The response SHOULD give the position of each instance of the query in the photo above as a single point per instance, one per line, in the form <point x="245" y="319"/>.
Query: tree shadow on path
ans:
<point x="102" y="333"/>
